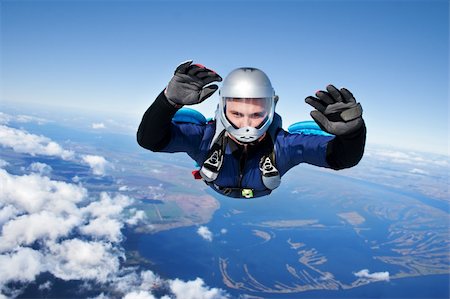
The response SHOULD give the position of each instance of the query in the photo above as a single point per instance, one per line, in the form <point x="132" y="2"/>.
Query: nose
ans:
<point x="245" y="122"/>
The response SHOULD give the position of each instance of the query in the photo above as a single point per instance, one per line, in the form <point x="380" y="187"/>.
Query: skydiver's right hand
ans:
<point x="188" y="85"/>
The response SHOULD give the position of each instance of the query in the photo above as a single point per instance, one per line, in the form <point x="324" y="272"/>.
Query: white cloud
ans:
<point x="23" y="142"/>
<point x="98" y="126"/>
<point x="97" y="163"/>
<point x="27" y="229"/>
<point x="195" y="289"/>
<point x="408" y="157"/>
<point x="106" y="217"/>
<point x="7" y="212"/>
<point x="40" y="168"/>
<point x="108" y="206"/>
<point x="378" y="276"/>
<point x="132" y="283"/>
<point x="149" y="280"/>
<point x="123" y="188"/>
<point x="419" y="171"/>
<point x="143" y="285"/>
<point x="104" y="227"/>
<point x="28" y="118"/>
<point x="45" y="286"/>
<point x="23" y="265"/>
<point x="137" y="217"/>
<point x="223" y="231"/>
<point x="77" y="259"/>
<point x="7" y="118"/>
<point x="139" y="295"/>
<point x="205" y="233"/>
<point x="3" y="163"/>
<point x="394" y="155"/>
<point x="4" y="118"/>
<point x="33" y="193"/>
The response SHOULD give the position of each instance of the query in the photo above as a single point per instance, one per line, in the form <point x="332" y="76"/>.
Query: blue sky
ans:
<point x="116" y="56"/>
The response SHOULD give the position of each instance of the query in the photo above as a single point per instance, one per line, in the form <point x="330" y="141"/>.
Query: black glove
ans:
<point x="337" y="111"/>
<point x="187" y="86"/>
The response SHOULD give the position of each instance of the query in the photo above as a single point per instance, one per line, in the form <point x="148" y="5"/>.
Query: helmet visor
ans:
<point x="247" y="112"/>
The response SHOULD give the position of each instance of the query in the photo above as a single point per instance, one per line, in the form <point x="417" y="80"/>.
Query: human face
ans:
<point x="246" y="112"/>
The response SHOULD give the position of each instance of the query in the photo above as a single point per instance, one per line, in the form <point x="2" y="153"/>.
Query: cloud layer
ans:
<point x="23" y="142"/>
<point x="53" y="226"/>
<point x="26" y="143"/>
<point x="60" y="220"/>
<point x="408" y="157"/>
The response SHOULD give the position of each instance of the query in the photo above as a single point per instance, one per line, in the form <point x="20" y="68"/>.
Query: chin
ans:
<point x="246" y="143"/>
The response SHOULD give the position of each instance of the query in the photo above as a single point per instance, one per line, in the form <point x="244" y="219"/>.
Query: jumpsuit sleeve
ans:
<point x="158" y="133"/>
<point x="293" y="149"/>
<point x="336" y="152"/>
<point x="347" y="150"/>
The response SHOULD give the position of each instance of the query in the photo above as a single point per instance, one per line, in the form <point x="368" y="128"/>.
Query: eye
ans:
<point x="257" y="115"/>
<point x="237" y="114"/>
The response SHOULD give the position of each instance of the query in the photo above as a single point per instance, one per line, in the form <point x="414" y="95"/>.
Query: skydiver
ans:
<point x="244" y="151"/>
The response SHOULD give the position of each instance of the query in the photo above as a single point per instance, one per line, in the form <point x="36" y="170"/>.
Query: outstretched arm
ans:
<point x="188" y="86"/>
<point x="154" y="130"/>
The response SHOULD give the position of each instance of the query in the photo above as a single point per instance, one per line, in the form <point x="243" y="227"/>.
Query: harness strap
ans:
<point x="213" y="163"/>
<point x="270" y="174"/>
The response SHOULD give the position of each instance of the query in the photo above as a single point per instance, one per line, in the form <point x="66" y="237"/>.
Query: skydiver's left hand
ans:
<point x="337" y="111"/>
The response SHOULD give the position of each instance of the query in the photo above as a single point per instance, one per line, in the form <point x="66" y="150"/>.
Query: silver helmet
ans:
<point x="247" y="97"/>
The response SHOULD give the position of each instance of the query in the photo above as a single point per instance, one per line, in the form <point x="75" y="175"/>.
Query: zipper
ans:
<point x="242" y="161"/>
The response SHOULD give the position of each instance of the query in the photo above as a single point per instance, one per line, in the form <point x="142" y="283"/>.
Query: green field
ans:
<point x="161" y="212"/>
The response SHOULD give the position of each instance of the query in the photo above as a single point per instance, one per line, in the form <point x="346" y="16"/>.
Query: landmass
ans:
<point x="262" y="234"/>
<point x="167" y="192"/>
<point x="232" y="212"/>
<point x="352" y="217"/>
<point x="295" y="245"/>
<point x="291" y="223"/>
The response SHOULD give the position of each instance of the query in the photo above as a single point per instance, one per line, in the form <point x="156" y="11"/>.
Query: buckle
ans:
<point x="247" y="193"/>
